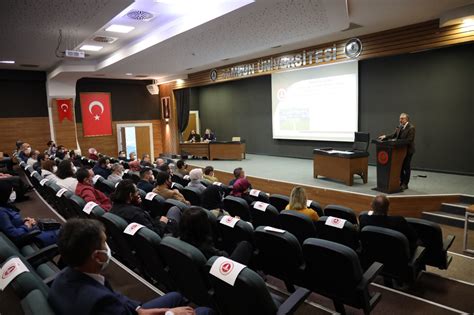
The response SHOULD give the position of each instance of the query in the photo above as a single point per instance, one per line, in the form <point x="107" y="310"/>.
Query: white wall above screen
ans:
<point x="319" y="103"/>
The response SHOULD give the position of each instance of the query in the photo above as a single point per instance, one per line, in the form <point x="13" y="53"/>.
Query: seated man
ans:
<point x="163" y="188"/>
<point x="117" y="173"/>
<point x="102" y="168"/>
<point x="33" y="158"/>
<point x="127" y="202"/>
<point x="146" y="160"/>
<point x="147" y="180"/>
<point x="81" y="288"/>
<point x="122" y="156"/>
<point x="134" y="163"/>
<point x="25" y="151"/>
<point x="380" y="218"/>
<point x="61" y="152"/>
<point x="85" y="189"/>
<point x="181" y="168"/>
<point x="93" y="155"/>
<point x="19" y="186"/>
<point x="209" y="174"/>
<point x="194" y="137"/>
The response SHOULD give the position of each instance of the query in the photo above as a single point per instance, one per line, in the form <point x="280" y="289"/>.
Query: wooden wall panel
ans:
<point x="409" y="206"/>
<point x="108" y="144"/>
<point x="170" y="129"/>
<point x="406" y="39"/>
<point x="34" y="130"/>
<point x="64" y="131"/>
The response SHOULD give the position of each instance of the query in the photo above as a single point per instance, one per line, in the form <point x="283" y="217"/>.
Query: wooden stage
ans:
<point x="277" y="175"/>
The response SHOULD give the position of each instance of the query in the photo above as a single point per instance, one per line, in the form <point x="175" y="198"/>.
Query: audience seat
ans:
<point x="179" y="180"/>
<point x="64" y="206"/>
<point x="250" y="295"/>
<point x="280" y="255"/>
<point x="316" y="207"/>
<point x="187" y="269"/>
<point x="237" y="207"/>
<point x="279" y="201"/>
<point x="298" y="224"/>
<point x="146" y="244"/>
<point x="36" y="303"/>
<point x="242" y="231"/>
<point x="267" y="217"/>
<point x="431" y="237"/>
<point x="193" y="195"/>
<point x="262" y="196"/>
<point x="333" y="270"/>
<point x="115" y="225"/>
<point x="391" y="248"/>
<point x="169" y="203"/>
<point x="105" y="186"/>
<point x="154" y="206"/>
<point x="341" y="212"/>
<point x="76" y="205"/>
<point x="348" y="235"/>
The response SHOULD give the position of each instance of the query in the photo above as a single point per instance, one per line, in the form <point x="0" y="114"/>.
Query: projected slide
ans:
<point x="319" y="103"/>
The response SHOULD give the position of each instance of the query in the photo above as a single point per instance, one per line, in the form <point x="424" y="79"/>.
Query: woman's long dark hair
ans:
<point x="65" y="169"/>
<point x="194" y="227"/>
<point x="123" y="191"/>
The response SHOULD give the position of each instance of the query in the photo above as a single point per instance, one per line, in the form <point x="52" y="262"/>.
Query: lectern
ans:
<point x="390" y="155"/>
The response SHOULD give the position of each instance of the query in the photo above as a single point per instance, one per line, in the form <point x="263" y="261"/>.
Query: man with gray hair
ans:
<point x="405" y="131"/>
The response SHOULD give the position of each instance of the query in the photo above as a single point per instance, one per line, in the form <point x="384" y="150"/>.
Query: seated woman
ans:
<point x="66" y="177"/>
<point x="196" y="176"/>
<point x="195" y="229"/>
<point x="126" y="204"/>
<point x="241" y="189"/>
<point x="14" y="226"/>
<point x="117" y="173"/>
<point x="298" y="203"/>
<point x="212" y="200"/>
<point x="48" y="168"/>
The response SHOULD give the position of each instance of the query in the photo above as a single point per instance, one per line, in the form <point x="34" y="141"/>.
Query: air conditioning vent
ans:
<point x="26" y="65"/>
<point x="140" y="15"/>
<point x="104" y="39"/>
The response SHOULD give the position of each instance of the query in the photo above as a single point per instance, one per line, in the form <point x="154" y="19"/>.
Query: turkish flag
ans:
<point x="64" y="108"/>
<point x="96" y="114"/>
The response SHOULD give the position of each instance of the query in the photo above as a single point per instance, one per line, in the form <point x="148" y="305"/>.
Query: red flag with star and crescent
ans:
<point x="96" y="114"/>
<point x="64" y="108"/>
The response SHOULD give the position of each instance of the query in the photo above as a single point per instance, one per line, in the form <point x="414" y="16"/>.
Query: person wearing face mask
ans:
<point x="134" y="163"/>
<point x="163" y="188"/>
<point x="80" y="288"/>
<point x="122" y="156"/>
<point x="85" y="189"/>
<point x="25" y="151"/>
<point x="61" y="152"/>
<point x="117" y="173"/>
<point x="126" y="204"/>
<point x="13" y="225"/>
<point x="51" y="151"/>
<point x="48" y="170"/>
<point x="33" y="158"/>
<point x="147" y="180"/>
<point x="102" y="167"/>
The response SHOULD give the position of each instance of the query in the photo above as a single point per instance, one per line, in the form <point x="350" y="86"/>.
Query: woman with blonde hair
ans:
<point x="298" y="203"/>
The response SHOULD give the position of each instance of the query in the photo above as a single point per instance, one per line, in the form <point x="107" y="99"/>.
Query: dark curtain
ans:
<point x="182" y="98"/>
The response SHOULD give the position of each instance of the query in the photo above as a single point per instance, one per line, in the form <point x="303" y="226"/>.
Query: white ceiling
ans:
<point x="193" y="38"/>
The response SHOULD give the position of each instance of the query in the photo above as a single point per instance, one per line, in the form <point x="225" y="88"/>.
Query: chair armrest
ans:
<point x="419" y="253"/>
<point x="43" y="255"/>
<point x="27" y="238"/>
<point x="370" y="275"/>
<point x="48" y="281"/>
<point x="292" y="303"/>
<point x="448" y="241"/>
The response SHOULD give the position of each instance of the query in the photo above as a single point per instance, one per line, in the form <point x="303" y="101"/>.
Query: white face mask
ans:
<point x="28" y="151"/>
<point x="121" y="174"/>
<point x="55" y="169"/>
<point x="12" y="197"/>
<point x="74" y="169"/>
<point x="108" y="252"/>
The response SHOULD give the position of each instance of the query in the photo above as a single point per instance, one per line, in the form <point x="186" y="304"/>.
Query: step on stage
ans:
<point x="427" y="190"/>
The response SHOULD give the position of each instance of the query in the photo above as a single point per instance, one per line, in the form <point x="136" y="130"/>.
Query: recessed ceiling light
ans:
<point x="468" y="22"/>
<point x="116" y="28"/>
<point x="128" y="73"/>
<point x="91" y="47"/>
<point x="7" y="61"/>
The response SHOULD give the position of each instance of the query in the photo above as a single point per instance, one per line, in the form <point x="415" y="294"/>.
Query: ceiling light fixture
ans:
<point x="116" y="28"/>
<point x="457" y="16"/>
<point x="91" y="47"/>
<point x="7" y="61"/>
<point x="468" y="22"/>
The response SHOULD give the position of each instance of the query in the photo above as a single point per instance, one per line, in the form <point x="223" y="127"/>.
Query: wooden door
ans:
<point x="192" y="125"/>
<point x="143" y="141"/>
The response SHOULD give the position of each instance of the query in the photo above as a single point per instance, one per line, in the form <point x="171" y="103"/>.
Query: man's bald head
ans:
<point x="380" y="205"/>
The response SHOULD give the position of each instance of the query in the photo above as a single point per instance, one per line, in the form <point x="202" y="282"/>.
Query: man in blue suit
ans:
<point x="81" y="289"/>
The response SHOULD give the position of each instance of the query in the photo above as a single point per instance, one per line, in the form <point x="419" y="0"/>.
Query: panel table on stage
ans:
<point x="222" y="150"/>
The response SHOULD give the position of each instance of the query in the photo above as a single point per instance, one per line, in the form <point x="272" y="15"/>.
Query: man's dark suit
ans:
<point x="396" y="223"/>
<point x="407" y="133"/>
<point x="74" y="292"/>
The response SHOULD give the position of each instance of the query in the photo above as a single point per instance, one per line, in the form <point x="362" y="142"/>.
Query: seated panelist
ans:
<point x="194" y="137"/>
<point x="209" y="136"/>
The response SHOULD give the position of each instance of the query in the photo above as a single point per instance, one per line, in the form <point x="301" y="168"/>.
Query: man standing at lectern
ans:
<point x="405" y="131"/>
